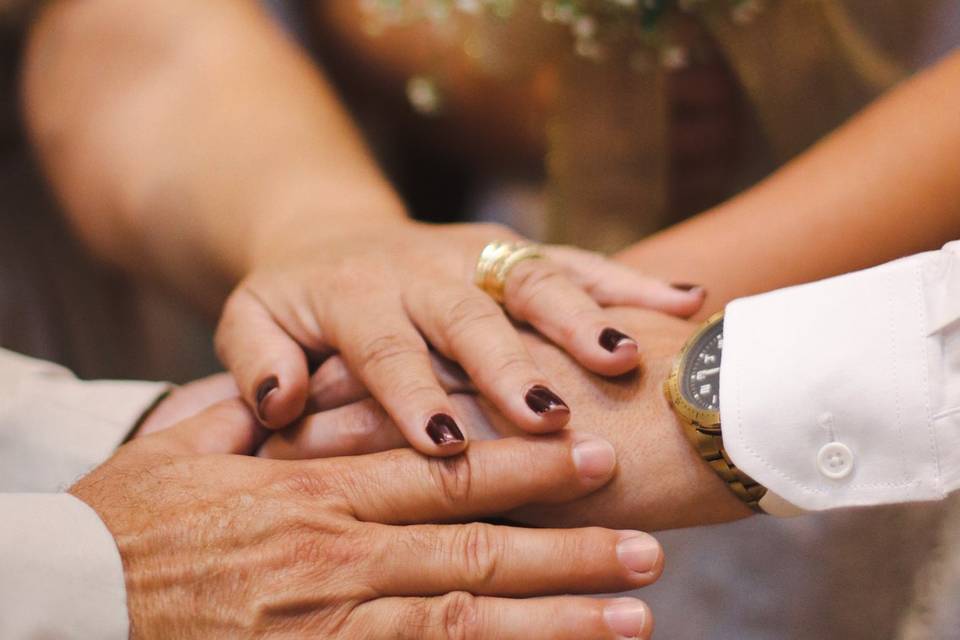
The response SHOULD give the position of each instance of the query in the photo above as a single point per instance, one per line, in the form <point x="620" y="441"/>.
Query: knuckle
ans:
<point x="505" y="366"/>
<point x="383" y="350"/>
<point x="452" y="478"/>
<point x="530" y="282"/>
<point x="303" y="482"/>
<point x="468" y="313"/>
<point x="458" y="616"/>
<point x="481" y="552"/>
<point x="511" y="363"/>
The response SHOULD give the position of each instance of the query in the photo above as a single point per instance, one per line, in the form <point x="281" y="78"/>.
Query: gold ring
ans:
<point x="497" y="260"/>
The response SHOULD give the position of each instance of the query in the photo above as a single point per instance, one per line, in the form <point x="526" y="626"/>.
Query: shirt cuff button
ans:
<point x="835" y="460"/>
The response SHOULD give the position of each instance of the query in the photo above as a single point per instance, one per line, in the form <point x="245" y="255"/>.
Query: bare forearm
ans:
<point x="180" y="134"/>
<point x="883" y="186"/>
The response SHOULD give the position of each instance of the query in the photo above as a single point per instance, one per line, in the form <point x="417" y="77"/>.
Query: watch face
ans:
<point x="700" y="378"/>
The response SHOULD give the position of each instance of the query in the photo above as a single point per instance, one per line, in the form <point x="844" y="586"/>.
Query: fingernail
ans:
<point x="594" y="457"/>
<point x="639" y="552"/>
<point x="627" y="618"/>
<point x="687" y="288"/>
<point x="443" y="430"/>
<point x="264" y="391"/>
<point x="611" y="339"/>
<point x="542" y="401"/>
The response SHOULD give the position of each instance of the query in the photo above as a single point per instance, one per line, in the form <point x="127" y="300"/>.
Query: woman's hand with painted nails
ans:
<point x="381" y="298"/>
<point x="662" y="481"/>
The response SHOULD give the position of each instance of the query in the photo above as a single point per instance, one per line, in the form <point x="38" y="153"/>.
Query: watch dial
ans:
<point x="701" y="370"/>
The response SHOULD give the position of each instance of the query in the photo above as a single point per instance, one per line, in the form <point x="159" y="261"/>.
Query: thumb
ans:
<point x="227" y="427"/>
<point x="269" y="366"/>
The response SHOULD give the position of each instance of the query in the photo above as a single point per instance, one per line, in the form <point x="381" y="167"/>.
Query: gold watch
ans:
<point x="693" y="390"/>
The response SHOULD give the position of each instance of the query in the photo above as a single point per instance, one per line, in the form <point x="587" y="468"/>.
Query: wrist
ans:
<point x="298" y="216"/>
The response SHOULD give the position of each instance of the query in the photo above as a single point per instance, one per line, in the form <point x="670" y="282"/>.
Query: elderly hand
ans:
<point x="380" y="295"/>
<point x="222" y="545"/>
<point x="662" y="483"/>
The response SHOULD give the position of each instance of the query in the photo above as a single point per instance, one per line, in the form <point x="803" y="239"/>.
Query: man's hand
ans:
<point x="661" y="483"/>
<point x="187" y="401"/>
<point x="222" y="545"/>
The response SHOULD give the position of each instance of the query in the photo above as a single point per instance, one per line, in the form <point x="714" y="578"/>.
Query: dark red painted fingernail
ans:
<point x="443" y="430"/>
<point x="686" y="287"/>
<point x="611" y="339"/>
<point x="542" y="401"/>
<point x="264" y="391"/>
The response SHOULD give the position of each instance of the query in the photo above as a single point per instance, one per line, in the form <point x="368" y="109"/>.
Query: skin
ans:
<point x="350" y="548"/>
<point x="661" y="481"/>
<point x="881" y="187"/>
<point x="191" y="138"/>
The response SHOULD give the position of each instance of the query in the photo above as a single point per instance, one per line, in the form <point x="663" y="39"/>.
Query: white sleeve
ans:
<point x="60" y="572"/>
<point x="54" y="427"/>
<point x="846" y="392"/>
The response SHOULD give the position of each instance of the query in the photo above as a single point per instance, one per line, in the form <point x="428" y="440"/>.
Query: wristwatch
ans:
<point x="693" y="390"/>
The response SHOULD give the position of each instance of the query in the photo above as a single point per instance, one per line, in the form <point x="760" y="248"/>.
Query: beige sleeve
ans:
<point x="54" y="427"/>
<point x="61" y="575"/>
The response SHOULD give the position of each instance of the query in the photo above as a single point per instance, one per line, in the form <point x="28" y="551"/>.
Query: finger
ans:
<point x="361" y="428"/>
<point x="334" y="385"/>
<point x="269" y="366"/>
<point x="355" y="429"/>
<point x="188" y="400"/>
<point x="226" y="427"/>
<point x="400" y="487"/>
<point x="467" y="326"/>
<point x="508" y="561"/>
<point x="391" y="359"/>
<point x="538" y="292"/>
<point x="462" y="615"/>
<point x="611" y="283"/>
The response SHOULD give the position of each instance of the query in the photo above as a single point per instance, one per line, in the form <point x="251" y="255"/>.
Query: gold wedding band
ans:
<point x="497" y="260"/>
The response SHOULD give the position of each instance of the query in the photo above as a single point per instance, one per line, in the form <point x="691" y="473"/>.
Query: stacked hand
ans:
<point x="662" y="482"/>
<point x="377" y="298"/>
<point x="216" y="544"/>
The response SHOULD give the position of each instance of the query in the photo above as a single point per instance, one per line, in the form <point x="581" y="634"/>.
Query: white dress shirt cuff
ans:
<point x="62" y="575"/>
<point x="838" y="393"/>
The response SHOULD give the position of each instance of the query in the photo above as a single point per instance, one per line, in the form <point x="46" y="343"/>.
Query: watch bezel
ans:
<point x="705" y="421"/>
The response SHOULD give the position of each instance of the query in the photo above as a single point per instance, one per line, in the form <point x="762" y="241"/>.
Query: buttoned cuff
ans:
<point x="825" y="389"/>
<point x="62" y="575"/>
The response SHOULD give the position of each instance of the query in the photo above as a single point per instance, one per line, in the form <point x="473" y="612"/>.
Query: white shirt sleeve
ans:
<point x="60" y="573"/>
<point x="54" y="427"/>
<point x="846" y="392"/>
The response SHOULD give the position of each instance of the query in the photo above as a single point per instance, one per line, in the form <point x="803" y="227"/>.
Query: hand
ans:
<point x="379" y="298"/>
<point x="221" y="545"/>
<point x="662" y="482"/>
<point x="187" y="401"/>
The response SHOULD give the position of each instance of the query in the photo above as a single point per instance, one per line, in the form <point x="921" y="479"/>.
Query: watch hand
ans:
<point x="707" y="372"/>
